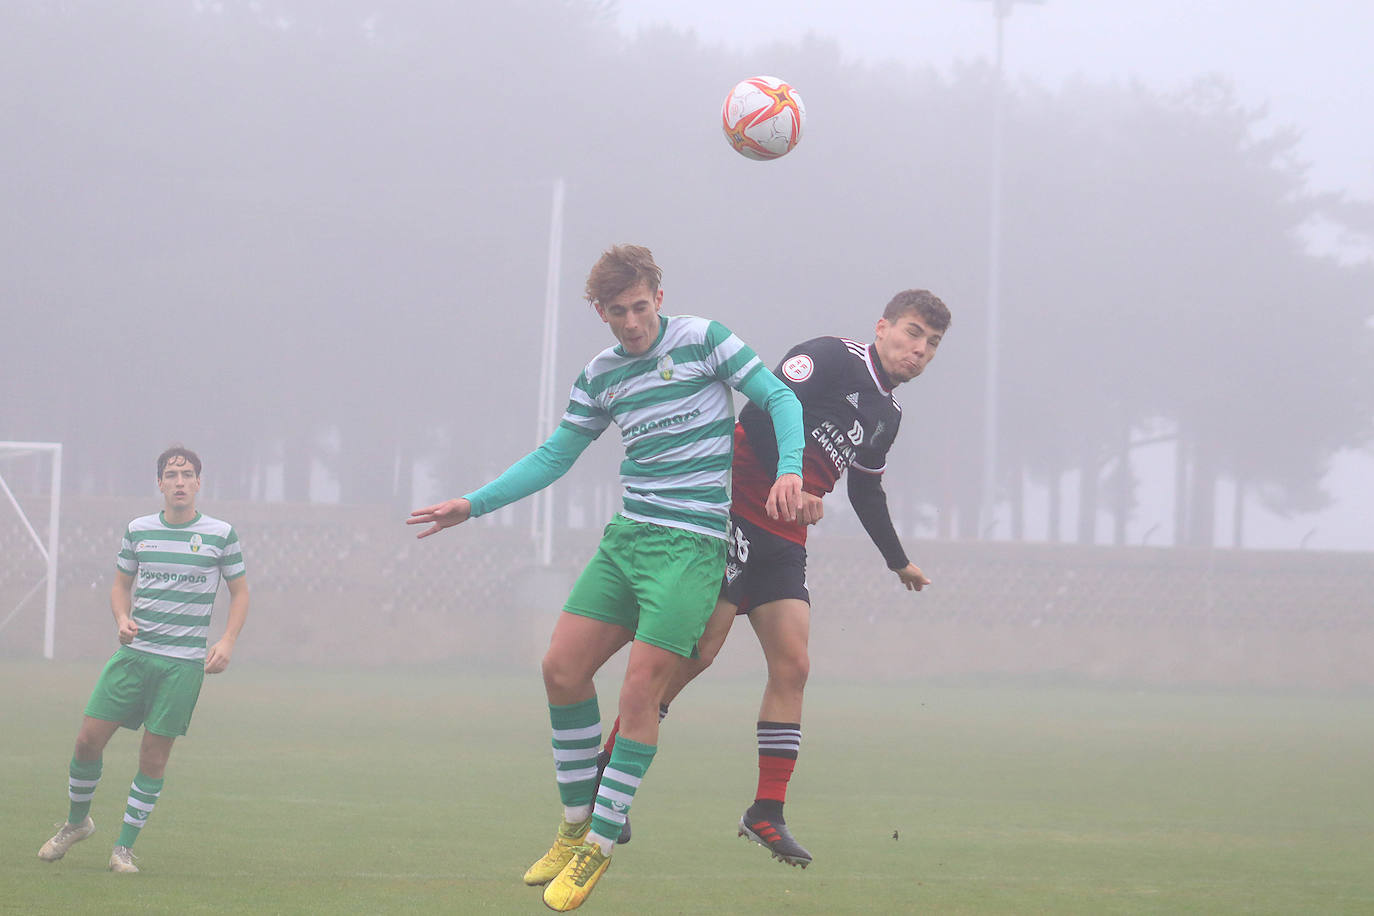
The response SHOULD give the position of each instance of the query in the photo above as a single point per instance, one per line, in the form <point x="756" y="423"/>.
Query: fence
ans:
<point x="352" y="586"/>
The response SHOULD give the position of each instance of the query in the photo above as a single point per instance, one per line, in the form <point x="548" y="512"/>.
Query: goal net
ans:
<point x="30" y="503"/>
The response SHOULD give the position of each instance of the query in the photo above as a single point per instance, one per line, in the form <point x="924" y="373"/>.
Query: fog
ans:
<point x="312" y="241"/>
<point x="1304" y="65"/>
<point x="1299" y="68"/>
<point x="320" y="235"/>
<point x="316" y="241"/>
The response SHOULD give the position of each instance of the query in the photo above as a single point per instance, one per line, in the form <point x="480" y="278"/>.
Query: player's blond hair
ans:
<point x="619" y="268"/>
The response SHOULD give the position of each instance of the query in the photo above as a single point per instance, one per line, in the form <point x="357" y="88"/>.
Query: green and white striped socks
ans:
<point x="83" y="777"/>
<point x="629" y="762"/>
<point x="142" y="796"/>
<point x="576" y="739"/>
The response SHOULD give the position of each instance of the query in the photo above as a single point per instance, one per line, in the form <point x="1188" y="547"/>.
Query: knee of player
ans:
<point x="561" y="673"/>
<point x="708" y="647"/>
<point x="791" y="669"/>
<point x="706" y="655"/>
<point x="553" y="670"/>
<point x="86" y="749"/>
<point x="88" y="746"/>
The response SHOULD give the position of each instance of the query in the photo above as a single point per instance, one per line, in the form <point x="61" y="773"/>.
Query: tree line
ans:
<point x="311" y="241"/>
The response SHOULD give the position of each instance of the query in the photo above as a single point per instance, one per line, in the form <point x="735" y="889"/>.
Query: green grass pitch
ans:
<point x="432" y="790"/>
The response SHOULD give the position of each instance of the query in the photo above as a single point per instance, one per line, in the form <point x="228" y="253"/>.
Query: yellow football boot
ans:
<point x="575" y="882"/>
<point x="560" y="854"/>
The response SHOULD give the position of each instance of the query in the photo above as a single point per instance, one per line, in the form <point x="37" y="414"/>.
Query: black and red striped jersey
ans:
<point x="850" y="420"/>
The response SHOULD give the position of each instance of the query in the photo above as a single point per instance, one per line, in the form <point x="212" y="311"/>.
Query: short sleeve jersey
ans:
<point x="177" y="570"/>
<point x="849" y="418"/>
<point x="676" y="418"/>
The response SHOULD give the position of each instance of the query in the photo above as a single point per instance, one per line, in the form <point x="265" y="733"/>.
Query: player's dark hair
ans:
<point x="619" y="268"/>
<point x="177" y="451"/>
<point x="924" y="303"/>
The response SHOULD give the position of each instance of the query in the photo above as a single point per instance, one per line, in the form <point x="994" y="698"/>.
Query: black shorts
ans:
<point x="762" y="567"/>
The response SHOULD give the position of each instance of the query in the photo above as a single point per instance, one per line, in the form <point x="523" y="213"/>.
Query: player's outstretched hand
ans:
<point x="912" y="577"/>
<point x="784" y="498"/>
<point x="811" y="509"/>
<point x="442" y="515"/>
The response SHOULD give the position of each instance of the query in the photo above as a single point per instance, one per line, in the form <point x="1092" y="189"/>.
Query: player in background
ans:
<point x="851" y="420"/>
<point x="657" y="571"/>
<point x="166" y="575"/>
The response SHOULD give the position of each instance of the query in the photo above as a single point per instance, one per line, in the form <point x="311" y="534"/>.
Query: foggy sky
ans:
<point x="1309" y="62"/>
<point x="344" y="206"/>
<point x="1307" y="65"/>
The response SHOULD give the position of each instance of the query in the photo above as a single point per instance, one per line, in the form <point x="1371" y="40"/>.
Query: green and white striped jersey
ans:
<point x="177" y="571"/>
<point x="676" y="420"/>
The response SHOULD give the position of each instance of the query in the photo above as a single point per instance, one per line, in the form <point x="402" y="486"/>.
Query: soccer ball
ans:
<point x="763" y="118"/>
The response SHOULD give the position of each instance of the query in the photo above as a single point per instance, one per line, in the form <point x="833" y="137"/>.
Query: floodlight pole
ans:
<point x="546" y="419"/>
<point x="1001" y="9"/>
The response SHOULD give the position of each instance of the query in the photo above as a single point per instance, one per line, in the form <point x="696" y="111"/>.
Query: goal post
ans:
<point x="47" y="549"/>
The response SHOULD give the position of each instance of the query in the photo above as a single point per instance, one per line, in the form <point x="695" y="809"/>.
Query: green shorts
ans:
<point x="659" y="582"/>
<point x="138" y="687"/>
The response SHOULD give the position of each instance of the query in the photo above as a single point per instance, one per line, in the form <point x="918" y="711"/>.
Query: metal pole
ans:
<point x="1001" y="9"/>
<point x="54" y="512"/>
<point x="547" y="418"/>
<point x="987" y="502"/>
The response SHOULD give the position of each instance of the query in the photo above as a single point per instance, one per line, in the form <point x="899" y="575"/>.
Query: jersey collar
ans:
<point x="875" y="369"/>
<point x="162" y="517"/>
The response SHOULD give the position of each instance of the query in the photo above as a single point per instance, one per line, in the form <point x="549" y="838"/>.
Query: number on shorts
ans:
<point x="739" y="547"/>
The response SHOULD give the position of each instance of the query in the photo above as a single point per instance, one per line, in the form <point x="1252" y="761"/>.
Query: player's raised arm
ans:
<point x="530" y="474"/>
<point x="752" y="379"/>
<point x="764" y="389"/>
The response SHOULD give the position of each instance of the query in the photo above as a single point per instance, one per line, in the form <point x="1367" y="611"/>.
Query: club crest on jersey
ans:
<point x="853" y="399"/>
<point x="798" y="368"/>
<point x="195" y="543"/>
<point x="665" y="367"/>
